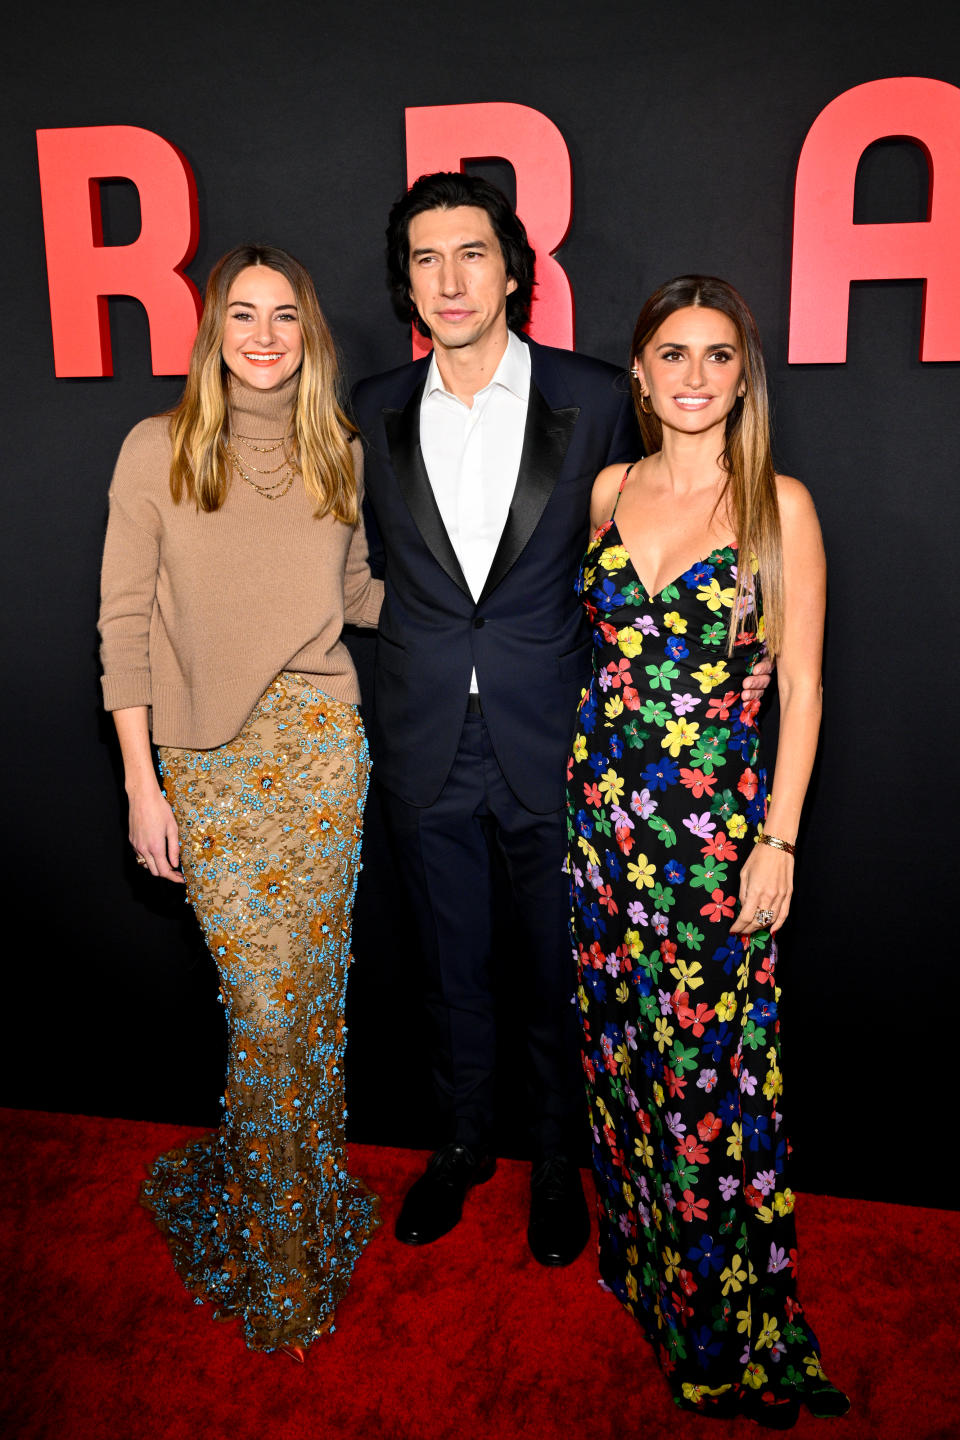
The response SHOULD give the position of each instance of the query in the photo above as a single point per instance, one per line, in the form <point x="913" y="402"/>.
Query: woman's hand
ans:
<point x="766" y="880"/>
<point x="151" y="827"/>
<point x="766" y="883"/>
<point x="153" y="833"/>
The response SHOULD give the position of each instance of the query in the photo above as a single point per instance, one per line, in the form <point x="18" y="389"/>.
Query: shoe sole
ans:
<point x="556" y="1262"/>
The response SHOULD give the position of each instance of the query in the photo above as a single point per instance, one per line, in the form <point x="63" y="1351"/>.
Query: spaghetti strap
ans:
<point x="620" y="490"/>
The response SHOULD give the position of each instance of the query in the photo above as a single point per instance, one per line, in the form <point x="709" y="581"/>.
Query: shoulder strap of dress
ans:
<point x="620" y="490"/>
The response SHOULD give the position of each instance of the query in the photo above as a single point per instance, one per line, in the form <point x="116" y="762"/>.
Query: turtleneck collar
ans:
<point x="262" y="414"/>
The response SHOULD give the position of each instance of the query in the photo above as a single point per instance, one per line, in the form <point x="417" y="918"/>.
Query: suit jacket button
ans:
<point x="479" y="623"/>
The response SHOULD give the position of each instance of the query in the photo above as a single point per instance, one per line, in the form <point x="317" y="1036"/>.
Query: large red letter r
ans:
<point x="442" y="137"/>
<point x="82" y="271"/>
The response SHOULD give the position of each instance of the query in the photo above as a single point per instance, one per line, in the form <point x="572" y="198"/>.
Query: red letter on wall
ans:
<point x="829" y="250"/>
<point x="82" y="271"/>
<point x="443" y="137"/>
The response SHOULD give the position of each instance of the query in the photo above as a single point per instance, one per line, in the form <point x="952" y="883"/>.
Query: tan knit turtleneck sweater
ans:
<point x="200" y="611"/>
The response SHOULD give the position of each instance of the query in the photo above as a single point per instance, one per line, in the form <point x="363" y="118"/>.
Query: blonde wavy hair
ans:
<point x="199" y="423"/>
<point x="750" y="490"/>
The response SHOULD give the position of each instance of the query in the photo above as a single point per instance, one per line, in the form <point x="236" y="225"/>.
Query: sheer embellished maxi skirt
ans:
<point x="261" y="1217"/>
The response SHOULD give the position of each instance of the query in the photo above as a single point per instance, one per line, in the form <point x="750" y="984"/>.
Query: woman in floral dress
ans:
<point x="702" y="560"/>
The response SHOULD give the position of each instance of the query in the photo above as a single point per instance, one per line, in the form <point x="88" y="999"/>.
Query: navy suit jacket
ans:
<point x="526" y="635"/>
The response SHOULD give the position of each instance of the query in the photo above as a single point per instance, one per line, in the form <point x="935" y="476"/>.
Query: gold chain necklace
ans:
<point x="263" y="449"/>
<point x="263" y="470"/>
<point x="278" y="488"/>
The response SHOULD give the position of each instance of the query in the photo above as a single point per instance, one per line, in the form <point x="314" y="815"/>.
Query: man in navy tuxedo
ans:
<point x="479" y="465"/>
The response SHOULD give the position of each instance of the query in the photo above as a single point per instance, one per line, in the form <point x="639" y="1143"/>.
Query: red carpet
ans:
<point x="466" y="1338"/>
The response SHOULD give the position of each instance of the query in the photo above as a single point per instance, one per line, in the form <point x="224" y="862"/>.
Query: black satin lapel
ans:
<point x="403" y="440"/>
<point x="545" y="440"/>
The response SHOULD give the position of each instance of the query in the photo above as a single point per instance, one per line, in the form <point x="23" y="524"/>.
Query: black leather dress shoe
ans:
<point x="434" y="1203"/>
<point x="559" y="1223"/>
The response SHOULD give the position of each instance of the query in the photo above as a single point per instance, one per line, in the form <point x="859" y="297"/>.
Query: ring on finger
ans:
<point x="142" y="860"/>
<point x="764" y="917"/>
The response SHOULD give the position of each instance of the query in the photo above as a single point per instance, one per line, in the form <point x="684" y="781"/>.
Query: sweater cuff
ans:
<point x="368" y="613"/>
<point x="124" y="689"/>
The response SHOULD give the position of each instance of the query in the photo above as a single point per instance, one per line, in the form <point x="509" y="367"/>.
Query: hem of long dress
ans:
<point x="740" y="1401"/>
<point x="180" y="1254"/>
<point x="734" y="1397"/>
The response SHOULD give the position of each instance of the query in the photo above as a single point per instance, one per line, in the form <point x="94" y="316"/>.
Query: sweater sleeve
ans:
<point x="128" y="583"/>
<point x="362" y="595"/>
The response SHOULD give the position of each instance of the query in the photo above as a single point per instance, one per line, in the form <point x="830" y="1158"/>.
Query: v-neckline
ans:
<point x="653" y="594"/>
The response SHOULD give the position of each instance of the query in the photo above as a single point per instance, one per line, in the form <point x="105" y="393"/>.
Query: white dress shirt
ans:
<point x="472" y="457"/>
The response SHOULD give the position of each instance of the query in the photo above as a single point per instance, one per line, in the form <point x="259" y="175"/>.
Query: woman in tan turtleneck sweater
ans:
<point x="234" y="554"/>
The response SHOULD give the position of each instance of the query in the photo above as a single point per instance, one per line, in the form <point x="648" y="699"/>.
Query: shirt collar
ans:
<point x="513" y="372"/>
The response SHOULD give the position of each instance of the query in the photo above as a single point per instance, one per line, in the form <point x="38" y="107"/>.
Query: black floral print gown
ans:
<point x="681" y="1046"/>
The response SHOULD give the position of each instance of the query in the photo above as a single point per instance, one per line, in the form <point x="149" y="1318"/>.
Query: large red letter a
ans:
<point x="442" y="137"/>
<point x="82" y="271"/>
<point x="829" y="250"/>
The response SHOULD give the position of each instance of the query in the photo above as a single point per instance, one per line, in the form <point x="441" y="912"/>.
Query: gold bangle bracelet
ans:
<point x="777" y="843"/>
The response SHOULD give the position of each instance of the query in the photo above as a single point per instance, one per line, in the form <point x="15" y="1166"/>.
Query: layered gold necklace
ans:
<point x="272" y="489"/>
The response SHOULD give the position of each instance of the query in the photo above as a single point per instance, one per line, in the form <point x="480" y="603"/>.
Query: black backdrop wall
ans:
<point x="684" y="125"/>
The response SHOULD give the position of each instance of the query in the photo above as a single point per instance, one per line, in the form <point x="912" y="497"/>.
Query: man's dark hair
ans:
<point x="446" y="190"/>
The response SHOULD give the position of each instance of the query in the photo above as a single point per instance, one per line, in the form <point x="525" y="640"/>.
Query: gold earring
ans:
<point x="635" y="372"/>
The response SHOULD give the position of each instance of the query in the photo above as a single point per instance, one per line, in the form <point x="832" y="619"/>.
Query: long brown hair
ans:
<point x="750" y="490"/>
<point x="200" y="468"/>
